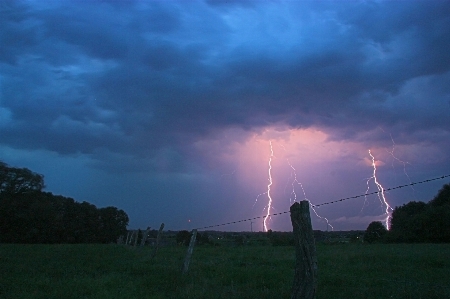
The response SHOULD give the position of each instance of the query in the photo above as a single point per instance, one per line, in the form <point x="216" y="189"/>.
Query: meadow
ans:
<point x="250" y="271"/>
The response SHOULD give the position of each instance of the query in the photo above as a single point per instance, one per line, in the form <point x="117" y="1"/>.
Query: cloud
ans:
<point x="325" y="69"/>
<point x="185" y="90"/>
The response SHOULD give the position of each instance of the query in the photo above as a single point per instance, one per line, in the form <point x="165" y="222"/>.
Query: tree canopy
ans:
<point x="442" y="199"/>
<point x="183" y="237"/>
<point x="19" y="180"/>
<point x="423" y="222"/>
<point x="375" y="232"/>
<point x="29" y="215"/>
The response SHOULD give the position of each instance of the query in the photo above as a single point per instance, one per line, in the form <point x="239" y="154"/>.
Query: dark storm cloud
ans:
<point x="17" y="31"/>
<point x="97" y="35"/>
<point x="149" y="77"/>
<point x="146" y="104"/>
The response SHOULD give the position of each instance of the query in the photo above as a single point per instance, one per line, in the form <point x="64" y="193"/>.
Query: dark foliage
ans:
<point x="19" y="180"/>
<point x="239" y="239"/>
<point x="417" y="222"/>
<point x="183" y="237"/>
<point x="152" y="233"/>
<point x="407" y="222"/>
<point x="203" y="238"/>
<point x="280" y="238"/>
<point x="139" y="236"/>
<point x="375" y="232"/>
<point x="442" y="199"/>
<point x="28" y="215"/>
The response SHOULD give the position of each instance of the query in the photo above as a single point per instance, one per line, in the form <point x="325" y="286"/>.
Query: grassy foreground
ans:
<point x="113" y="271"/>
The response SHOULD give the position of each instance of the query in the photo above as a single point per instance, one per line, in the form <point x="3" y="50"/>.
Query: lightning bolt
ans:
<point x="321" y="217"/>
<point x="269" y="204"/>
<point x="381" y="195"/>
<point x="257" y="197"/>
<point x="391" y="152"/>
<point x="228" y="174"/>
<point x="294" y="194"/>
<point x="401" y="162"/>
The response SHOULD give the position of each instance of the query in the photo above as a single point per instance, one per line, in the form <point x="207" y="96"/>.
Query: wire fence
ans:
<point x="330" y="202"/>
<point x="382" y="190"/>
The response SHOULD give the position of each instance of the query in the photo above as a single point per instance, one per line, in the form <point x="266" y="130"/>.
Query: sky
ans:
<point x="188" y="112"/>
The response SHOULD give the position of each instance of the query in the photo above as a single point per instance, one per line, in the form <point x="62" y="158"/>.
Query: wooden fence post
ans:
<point x="305" y="277"/>
<point x="128" y="237"/>
<point x="145" y="236"/>
<point x="158" y="239"/>
<point x="133" y="233"/>
<point x="131" y="238"/>
<point x="137" y="237"/>
<point x="189" y="252"/>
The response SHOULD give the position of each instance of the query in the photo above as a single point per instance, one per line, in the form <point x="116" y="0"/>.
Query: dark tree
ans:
<point x="28" y="215"/>
<point x="19" y="180"/>
<point x="407" y="223"/>
<point x="183" y="237"/>
<point x="37" y="217"/>
<point x="423" y="222"/>
<point x="113" y="224"/>
<point x="442" y="198"/>
<point x="203" y="238"/>
<point x="280" y="238"/>
<point x="437" y="217"/>
<point x="437" y="224"/>
<point x="83" y="223"/>
<point x="375" y="232"/>
<point x="13" y="218"/>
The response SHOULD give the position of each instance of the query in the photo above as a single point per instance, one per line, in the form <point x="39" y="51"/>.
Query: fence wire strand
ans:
<point x="330" y="202"/>
<point x="382" y="190"/>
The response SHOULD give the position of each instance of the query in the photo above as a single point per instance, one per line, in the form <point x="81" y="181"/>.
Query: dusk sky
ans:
<point x="168" y="109"/>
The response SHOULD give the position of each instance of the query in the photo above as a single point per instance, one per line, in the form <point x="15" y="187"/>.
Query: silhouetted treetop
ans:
<point x="423" y="222"/>
<point x="375" y="232"/>
<point x="19" y="180"/>
<point x="442" y="198"/>
<point x="28" y="215"/>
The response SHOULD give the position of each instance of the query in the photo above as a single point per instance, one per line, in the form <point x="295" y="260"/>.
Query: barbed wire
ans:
<point x="330" y="202"/>
<point x="244" y="220"/>
<point x="382" y="190"/>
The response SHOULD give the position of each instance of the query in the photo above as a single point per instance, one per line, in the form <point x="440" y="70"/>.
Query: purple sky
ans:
<point x="166" y="109"/>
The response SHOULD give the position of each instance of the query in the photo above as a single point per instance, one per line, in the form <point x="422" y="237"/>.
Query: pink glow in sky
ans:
<point x="328" y="169"/>
<point x="166" y="109"/>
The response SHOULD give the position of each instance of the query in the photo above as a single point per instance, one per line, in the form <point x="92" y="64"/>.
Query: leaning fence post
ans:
<point x="189" y="252"/>
<point x="305" y="277"/>
<point x="158" y="239"/>
<point x="145" y="236"/>
<point x="130" y="242"/>
<point x="131" y="237"/>
<point x="137" y="237"/>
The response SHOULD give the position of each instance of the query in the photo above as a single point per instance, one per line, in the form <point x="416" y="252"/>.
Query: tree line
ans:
<point x="30" y="215"/>
<point x="416" y="222"/>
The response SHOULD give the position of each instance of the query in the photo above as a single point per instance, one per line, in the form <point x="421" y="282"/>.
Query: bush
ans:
<point x="183" y="237"/>
<point x="375" y="232"/>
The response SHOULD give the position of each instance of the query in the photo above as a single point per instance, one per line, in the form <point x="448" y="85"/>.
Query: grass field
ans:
<point x="113" y="271"/>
